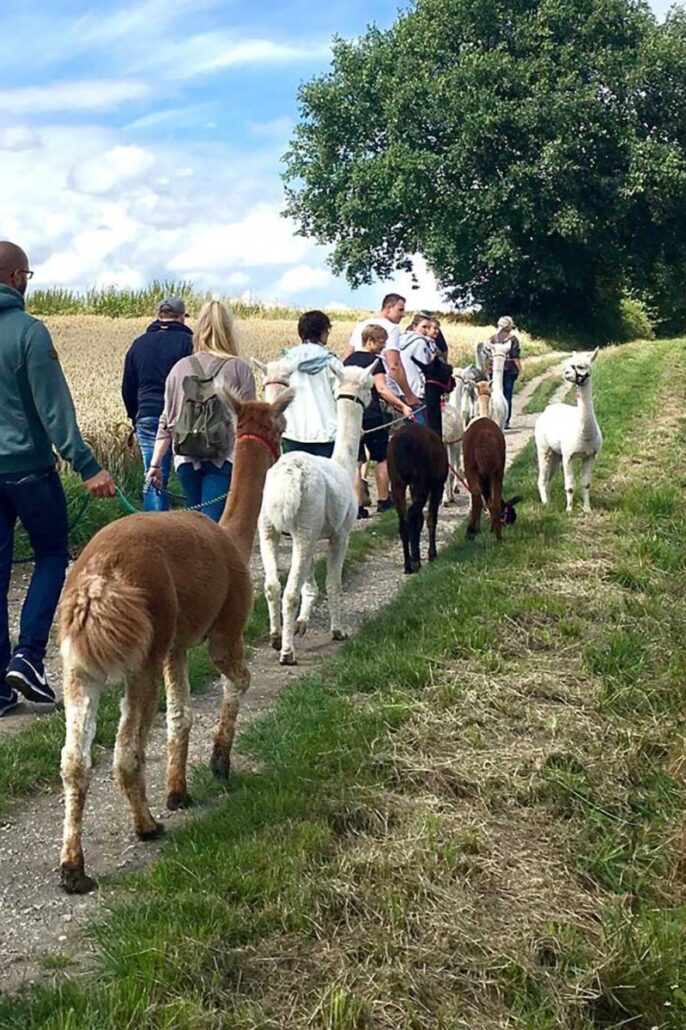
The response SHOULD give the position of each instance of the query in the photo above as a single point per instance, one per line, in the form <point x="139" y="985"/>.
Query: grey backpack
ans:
<point x="202" y="428"/>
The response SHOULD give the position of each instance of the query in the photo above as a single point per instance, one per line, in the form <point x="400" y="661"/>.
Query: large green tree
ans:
<point x="533" y="151"/>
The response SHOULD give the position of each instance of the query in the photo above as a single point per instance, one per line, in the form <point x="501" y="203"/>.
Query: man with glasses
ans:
<point x="36" y="413"/>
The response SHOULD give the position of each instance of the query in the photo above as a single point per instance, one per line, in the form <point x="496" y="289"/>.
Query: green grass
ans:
<point x="535" y="367"/>
<point x="461" y="819"/>
<point x="541" y="396"/>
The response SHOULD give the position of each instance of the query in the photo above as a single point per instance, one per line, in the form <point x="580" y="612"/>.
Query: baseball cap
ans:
<point x="171" y="306"/>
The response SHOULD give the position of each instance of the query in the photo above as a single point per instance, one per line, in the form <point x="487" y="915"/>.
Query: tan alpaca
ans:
<point x="144" y="590"/>
<point x="484" y="392"/>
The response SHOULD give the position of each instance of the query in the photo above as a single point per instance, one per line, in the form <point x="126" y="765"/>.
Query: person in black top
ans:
<point x="374" y="444"/>
<point x="149" y="360"/>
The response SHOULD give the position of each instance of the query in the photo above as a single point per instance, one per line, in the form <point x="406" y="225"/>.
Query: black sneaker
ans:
<point x="362" y="513"/>
<point x="386" y="505"/>
<point x="28" y="677"/>
<point x="8" y="701"/>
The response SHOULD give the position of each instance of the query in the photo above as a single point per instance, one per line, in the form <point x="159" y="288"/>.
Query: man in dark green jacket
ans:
<point x="36" y="414"/>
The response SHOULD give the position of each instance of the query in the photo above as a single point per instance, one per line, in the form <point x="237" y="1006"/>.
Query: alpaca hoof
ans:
<point x="339" y="634"/>
<point x="220" y="765"/>
<point x="288" y="658"/>
<point x="301" y="627"/>
<point x="74" y="880"/>
<point x="156" y="830"/>
<point x="177" y="800"/>
<point x="275" y="641"/>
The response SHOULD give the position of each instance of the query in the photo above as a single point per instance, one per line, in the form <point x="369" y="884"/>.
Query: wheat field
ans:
<point x="92" y="350"/>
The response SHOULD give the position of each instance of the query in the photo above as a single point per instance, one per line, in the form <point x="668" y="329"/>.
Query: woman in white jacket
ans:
<point x="311" y="416"/>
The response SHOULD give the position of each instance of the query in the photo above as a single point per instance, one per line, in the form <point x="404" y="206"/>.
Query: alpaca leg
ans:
<point x="301" y="560"/>
<point x="548" y="463"/>
<point x="179" y="722"/>
<point x="568" y="471"/>
<point x="228" y="656"/>
<point x="400" y="502"/>
<point x="586" y="476"/>
<point x="138" y="708"/>
<point x="338" y="546"/>
<point x="415" y="524"/>
<point x="308" y="598"/>
<point x="269" y="543"/>
<point x="81" y="698"/>
<point x="474" y="526"/>
<point x="451" y="479"/>
<point x="495" y="506"/>
<point x="432" y="519"/>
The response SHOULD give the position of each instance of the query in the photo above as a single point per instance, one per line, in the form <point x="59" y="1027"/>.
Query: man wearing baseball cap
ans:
<point x="149" y="360"/>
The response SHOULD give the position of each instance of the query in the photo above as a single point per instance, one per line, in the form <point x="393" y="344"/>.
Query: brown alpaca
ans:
<point x="144" y="590"/>
<point x="483" y="455"/>
<point x="484" y="396"/>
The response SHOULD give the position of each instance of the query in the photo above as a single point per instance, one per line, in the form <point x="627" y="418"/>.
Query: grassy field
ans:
<point x="473" y="815"/>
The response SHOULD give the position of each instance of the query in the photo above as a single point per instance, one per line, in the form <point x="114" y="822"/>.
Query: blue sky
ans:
<point x="142" y="140"/>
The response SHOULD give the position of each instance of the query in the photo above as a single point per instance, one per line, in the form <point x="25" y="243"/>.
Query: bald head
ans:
<point x="14" y="266"/>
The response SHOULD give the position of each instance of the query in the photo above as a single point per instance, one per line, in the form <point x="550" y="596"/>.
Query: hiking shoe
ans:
<point x="386" y="505"/>
<point x="362" y="513"/>
<point x="8" y="701"/>
<point x="28" y="677"/>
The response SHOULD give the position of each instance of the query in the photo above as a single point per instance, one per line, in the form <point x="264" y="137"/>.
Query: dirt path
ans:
<point x="38" y="921"/>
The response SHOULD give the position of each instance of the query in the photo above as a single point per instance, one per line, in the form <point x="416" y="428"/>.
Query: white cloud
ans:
<point x="116" y="168"/>
<point x="19" y="137"/>
<point x="209" y="52"/>
<point x="300" y="279"/>
<point x="261" y="237"/>
<point x="81" y="95"/>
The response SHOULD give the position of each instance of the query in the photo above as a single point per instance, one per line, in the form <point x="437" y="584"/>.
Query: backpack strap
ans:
<point x="200" y="372"/>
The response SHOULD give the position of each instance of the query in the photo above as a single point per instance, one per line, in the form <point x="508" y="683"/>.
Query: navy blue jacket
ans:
<point x="149" y="360"/>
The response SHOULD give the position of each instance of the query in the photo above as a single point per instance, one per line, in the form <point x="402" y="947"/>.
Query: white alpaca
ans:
<point x="453" y="428"/>
<point x="313" y="499"/>
<point x="497" y="407"/>
<point x="276" y="375"/>
<point x="564" y="432"/>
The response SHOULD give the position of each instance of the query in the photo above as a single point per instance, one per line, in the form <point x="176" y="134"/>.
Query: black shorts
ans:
<point x="373" y="446"/>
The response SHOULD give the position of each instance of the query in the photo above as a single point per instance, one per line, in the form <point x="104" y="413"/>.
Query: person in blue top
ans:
<point x="36" y="413"/>
<point x="148" y="362"/>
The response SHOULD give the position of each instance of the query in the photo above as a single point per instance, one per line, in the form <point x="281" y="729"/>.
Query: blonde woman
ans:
<point x="215" y="349"/>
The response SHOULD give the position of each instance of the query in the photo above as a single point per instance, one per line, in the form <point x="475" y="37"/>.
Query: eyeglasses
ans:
<point x="27" y="272"/>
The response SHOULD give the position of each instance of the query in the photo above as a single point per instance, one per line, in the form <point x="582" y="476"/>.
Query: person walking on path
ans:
<point x="513" y="362"/>
<point x="389" y="318"/>
<point x="148" y="362"/>
<point x="36" y="413"/>
<point x="311" y="416"/>
<point x="374" y="442"/>
<point x="204" y="481"/>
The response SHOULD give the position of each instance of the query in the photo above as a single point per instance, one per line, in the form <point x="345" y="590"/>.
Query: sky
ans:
<point x="143" y="140"/>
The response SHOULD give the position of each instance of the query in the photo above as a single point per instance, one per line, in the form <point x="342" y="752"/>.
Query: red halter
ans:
<point x="263" y="440"/>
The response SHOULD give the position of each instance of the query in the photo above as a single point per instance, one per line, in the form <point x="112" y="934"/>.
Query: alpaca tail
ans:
<point x="104" y="626"/>
<point x="485" y="487"/>
<point x="284" y="495"/>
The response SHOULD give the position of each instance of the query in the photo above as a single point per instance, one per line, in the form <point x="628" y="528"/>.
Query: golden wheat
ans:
<point x="92" y="350"/>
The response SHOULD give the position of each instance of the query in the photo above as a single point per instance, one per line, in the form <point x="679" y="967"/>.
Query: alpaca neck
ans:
<point x="251" y="463"/>
<point x="497" y="378"/>
<point x="432" y="399"/>
<point x="483" y="405"/>
<point x="584" y="402"/>
<point x="348" y="428"/>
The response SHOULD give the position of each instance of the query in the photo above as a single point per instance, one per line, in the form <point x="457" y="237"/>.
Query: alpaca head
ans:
<point x="508" y="514"/>
<point x="437" y="372"/>
<point x="578" y="369"/>
<point x="483" y="389"/>
<point x="355" y="383"/>
<point x="276" y="376"/>
<point x="259" y="418"/>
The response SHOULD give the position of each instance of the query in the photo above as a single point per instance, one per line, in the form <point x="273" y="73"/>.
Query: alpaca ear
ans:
<point x="515" y="500"/>
<point x="337" y="369"/>
<point x="259" y="365"/>
<point x="420" y="365"/>
<point x="372" y="371"/>
<point x="594" y="355"/>
<point x="283" y="400"/>
<point x="230" y="399"/>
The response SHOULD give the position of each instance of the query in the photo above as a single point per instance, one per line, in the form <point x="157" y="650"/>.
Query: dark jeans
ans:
<point x="509" y="381"/>
<point x="37" y="500"/>
<point x="146" y="431"/>
<point x="322" y="450"/>
<point x="206" y="484"/>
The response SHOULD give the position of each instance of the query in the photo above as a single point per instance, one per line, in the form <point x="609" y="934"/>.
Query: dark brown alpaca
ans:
<point x="483" y="456"/>
<point x="417" y="459"/>
<point x="144" y="590"/>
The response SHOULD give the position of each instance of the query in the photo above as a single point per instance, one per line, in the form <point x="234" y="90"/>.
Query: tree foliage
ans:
<point x="531" y="150"/>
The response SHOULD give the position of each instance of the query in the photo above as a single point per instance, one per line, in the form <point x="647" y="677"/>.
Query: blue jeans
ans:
<point x="37" y="500"/>
<point x="509" y="381"/>
<point x="146" y="431"/>
<point x="205" y="484"/>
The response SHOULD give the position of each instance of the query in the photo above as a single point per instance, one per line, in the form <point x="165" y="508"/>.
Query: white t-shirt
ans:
<point x="391" y="328"/>
<point x="415" y="345"/>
